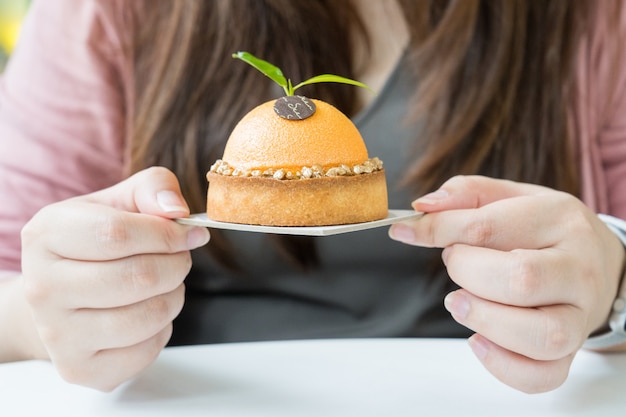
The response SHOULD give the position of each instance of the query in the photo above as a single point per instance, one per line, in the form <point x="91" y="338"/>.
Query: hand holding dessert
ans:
<point x="104" y="274"/>
<point x="538" y="271"/>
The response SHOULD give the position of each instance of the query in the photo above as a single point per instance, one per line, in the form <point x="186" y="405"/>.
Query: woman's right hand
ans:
<point x="104" y="273"/>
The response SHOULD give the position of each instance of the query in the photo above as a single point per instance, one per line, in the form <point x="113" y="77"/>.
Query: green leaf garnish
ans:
<point x="277" y="76"/>
<point x="265" y="67"/>
<point x="330" y="78"/>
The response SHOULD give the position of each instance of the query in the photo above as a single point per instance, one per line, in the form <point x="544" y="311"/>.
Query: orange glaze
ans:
<point x="263" y="140"/>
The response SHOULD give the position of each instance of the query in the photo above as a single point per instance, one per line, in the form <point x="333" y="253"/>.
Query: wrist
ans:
<point x="17" y="328"/>
<point x="613" y="334"/>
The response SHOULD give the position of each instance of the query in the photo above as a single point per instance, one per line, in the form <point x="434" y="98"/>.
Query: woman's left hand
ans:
<point x="538" y="272"/>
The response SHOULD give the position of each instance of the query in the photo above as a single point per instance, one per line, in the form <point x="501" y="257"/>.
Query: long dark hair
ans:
<point x="496" y="79"/>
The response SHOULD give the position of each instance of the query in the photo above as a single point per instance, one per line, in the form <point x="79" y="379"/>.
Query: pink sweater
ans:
<point x="65" y="94"/>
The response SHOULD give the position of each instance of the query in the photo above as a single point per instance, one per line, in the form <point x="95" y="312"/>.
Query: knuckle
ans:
<point x="180" y="299"/>
<point x="575" y="218"/>
<point x="557" y="338"/>
<point x="479" y="232"/>
<point x="146" y="274"/>
<point x="181" y="264"/>
<point x="31" y="232"/>
<point x="158" y="309"/>
<point x="187" y="262"/>
<point x="35" y="292"/>
<point x="157" y="171"/>
<point x="143" y="273"/>
<point x="163" y="337"/>
<point x="111" y="233"/>
<point x="469" y="183"/>
<point x="462" y="181"/>
<point x="430" y="226"/>
<point x="172" y="239"/>
<point x="576" y="221"/>
<point x="527" y="279"/>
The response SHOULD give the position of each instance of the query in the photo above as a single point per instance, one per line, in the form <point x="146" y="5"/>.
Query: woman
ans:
<point x="529" y="95"/>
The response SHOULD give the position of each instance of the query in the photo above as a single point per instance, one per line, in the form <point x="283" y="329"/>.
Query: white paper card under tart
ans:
<point x="394" y="216"/>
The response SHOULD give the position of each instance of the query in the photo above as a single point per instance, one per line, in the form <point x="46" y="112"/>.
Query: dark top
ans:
<point x="366" y="285"/>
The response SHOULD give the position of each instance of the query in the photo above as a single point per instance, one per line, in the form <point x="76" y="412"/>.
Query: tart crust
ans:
<point x="305" y="202"/>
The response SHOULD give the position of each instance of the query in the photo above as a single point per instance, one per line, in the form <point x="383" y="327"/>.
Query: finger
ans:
<point x="85" y="231"/>
<point x="473" y="191"/>
<point x="87" y="331"/>
<point x="127" y="325"/>
<point x="524" y="278"/>
<point x="153" y="191"/>
<point x="109" y="368"/>
<point x="109" y="284"/>
<point x="544" y="333"/>
<point x="520" y="222"/>
<point x="525" y="374"/>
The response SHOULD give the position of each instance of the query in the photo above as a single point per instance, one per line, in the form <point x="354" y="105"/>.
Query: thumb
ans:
<point x="154" y="191"/>
<point x="474" y="191"/>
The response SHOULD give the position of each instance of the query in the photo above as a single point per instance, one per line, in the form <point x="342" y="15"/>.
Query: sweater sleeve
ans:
<point x="62" y="115"/>
<point x="600" y="112"/>
<point x="613" y="129"/>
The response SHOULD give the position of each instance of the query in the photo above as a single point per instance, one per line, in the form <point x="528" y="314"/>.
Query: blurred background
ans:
<point x="11" y="15"/>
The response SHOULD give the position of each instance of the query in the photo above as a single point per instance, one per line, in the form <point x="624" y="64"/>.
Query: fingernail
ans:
<point x="457" y="304"/>
<point x="198" y="236"/>
<point x="402" y="232"/>
<point x="479" y="346"/>
<point x="433" y="198"/>
<point x="170" y="202"/>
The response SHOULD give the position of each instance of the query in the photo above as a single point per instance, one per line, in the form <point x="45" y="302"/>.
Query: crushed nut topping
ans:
<point x="315" y="171"/>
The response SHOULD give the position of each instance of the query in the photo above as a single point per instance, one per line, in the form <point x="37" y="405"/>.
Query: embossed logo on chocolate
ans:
<point x="294" y="107"/>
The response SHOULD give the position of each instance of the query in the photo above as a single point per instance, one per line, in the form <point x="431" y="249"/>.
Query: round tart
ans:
<point x="295" y="161"/>
<point x="314" y="171"/>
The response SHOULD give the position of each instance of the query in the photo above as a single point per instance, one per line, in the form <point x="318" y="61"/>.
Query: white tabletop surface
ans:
<point x="381" y="377"/>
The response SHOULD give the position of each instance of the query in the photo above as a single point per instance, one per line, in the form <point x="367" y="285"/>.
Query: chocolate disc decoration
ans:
<point x="294" y="107"/>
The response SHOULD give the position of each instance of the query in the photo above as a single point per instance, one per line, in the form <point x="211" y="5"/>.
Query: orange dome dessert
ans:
<point x="263" y="140"/>
<point x="313" y="171"/>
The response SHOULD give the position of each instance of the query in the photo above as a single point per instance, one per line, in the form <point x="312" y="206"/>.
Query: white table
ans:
<point x="382" y="377"/>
